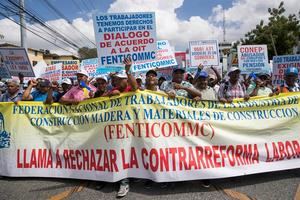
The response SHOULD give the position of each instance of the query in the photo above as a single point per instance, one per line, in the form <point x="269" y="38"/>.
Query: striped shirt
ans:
<point x="227" y="90"/>
<point x="6" y="97"/>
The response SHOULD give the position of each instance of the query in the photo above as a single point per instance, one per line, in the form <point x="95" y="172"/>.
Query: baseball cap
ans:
<point x="83" y="72"/>
<point x="202" y="74"/>
<point x="178" y="69"/>
<point x="291" y="71"/>
<point x="151" y="72"/>
<point x="66" y="81"/>
<point x="121" y="74"/>
<point x="103" y="77"/>
<point x="44" y="83"/>
<point x="233" y="69"/>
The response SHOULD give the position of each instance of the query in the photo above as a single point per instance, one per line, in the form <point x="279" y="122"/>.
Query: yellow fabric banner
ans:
<point x="148" y="135"/>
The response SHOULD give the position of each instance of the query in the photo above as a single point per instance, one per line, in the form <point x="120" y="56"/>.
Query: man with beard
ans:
<point x="179" y="87"/>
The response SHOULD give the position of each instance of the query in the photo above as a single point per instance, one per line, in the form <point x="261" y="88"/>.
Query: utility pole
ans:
<point x="23" y="25"/>
<point x="224" y="26"/>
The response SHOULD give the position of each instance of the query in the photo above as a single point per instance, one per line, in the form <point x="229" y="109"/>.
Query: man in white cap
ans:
<point x="66" y="85"/>
<point x="101" y="82"/>
<point x="82" y="91"/>
<point x="124" y="80"/>
<point x="232" y="88"/>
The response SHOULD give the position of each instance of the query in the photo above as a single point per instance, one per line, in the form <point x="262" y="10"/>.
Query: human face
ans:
<point x="12" y="88"/>
<point x="151" y="80"/>
<point x="178" y="76"/>
<point x="291" y="79"/>
<point x="202" y="83"/>
<point x="101" y="85"/>
<point x="139" y="82"/>
<point x="43" y="89"/>
<point x="81" y="77"/>
<point x="234" y="76"/>
<point x="121" y="83"/>
<point x="264" y="80"/>
<point x="66" y="87"/>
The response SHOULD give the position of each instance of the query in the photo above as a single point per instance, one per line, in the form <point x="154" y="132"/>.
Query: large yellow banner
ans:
<point x="148" y="135"/>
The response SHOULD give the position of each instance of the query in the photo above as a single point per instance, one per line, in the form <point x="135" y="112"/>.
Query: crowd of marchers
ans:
<point x="200" y="86"/>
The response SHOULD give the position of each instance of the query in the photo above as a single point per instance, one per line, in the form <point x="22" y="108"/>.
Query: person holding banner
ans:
<point x="151" y="81"/>
<point x="82" y="91"/>
<point x="124" y="81"/>
<point x="66" y="85"/>
<point x="101" y="82"/>
<point x="232" y="88"/>
<point x="207" y="92"/>
<point x="290" y="81"/>
<point x="259" y="86"/>
<point x="13" y="93"/>
<point x="179" y="87"/>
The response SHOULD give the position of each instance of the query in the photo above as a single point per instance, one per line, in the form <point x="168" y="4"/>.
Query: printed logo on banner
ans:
<point x="4" y="135"/>
<point x="122" y="35"/>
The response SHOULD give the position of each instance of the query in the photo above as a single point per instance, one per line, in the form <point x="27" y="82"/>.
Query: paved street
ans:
<point x="283" y="185"/>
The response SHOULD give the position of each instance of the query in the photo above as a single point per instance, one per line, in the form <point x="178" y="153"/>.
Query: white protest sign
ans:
<point x="39" y="68"/>
<point x="204" y="52"/>
<point x="53" y="72"/>
<point x="69" y="68"/>
<point x="16" y="61"/>
<point x="253" y="58"/>
<point x="90" y="66"/>
<point x="119" y="35"/>
<point x="280" y="64"/>
<point x="164" y="58"/>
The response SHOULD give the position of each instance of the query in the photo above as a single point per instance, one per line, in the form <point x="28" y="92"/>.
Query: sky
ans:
<point x="178" y="21"/>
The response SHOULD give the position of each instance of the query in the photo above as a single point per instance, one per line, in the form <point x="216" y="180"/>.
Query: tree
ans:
<point x="86" y="53"/>
<point x="281" y="34"/>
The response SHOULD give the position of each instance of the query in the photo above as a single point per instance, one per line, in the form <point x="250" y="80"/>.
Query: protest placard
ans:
<point x="181" y="58"/>
<point x="253" y="58"/>
<point x="4" y="73"/>
<point x="52" y="72"/>
<point x="90" y="66"/>
<point x="119" y="35"/>
<point x="69" y="67"/>
<point x="204" y="52"/>
<point x="164" y="58"/>
<point x="147" y="135"/>
<point x="16" y="61"/>
<point x="280" y="64"/>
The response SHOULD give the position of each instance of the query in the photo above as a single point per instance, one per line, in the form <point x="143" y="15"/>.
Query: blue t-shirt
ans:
<point x="39" y="96"/>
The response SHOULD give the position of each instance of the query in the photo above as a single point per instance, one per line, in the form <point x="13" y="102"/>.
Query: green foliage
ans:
<point x="281" y="34"/>
<point x="86" y="53"/>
